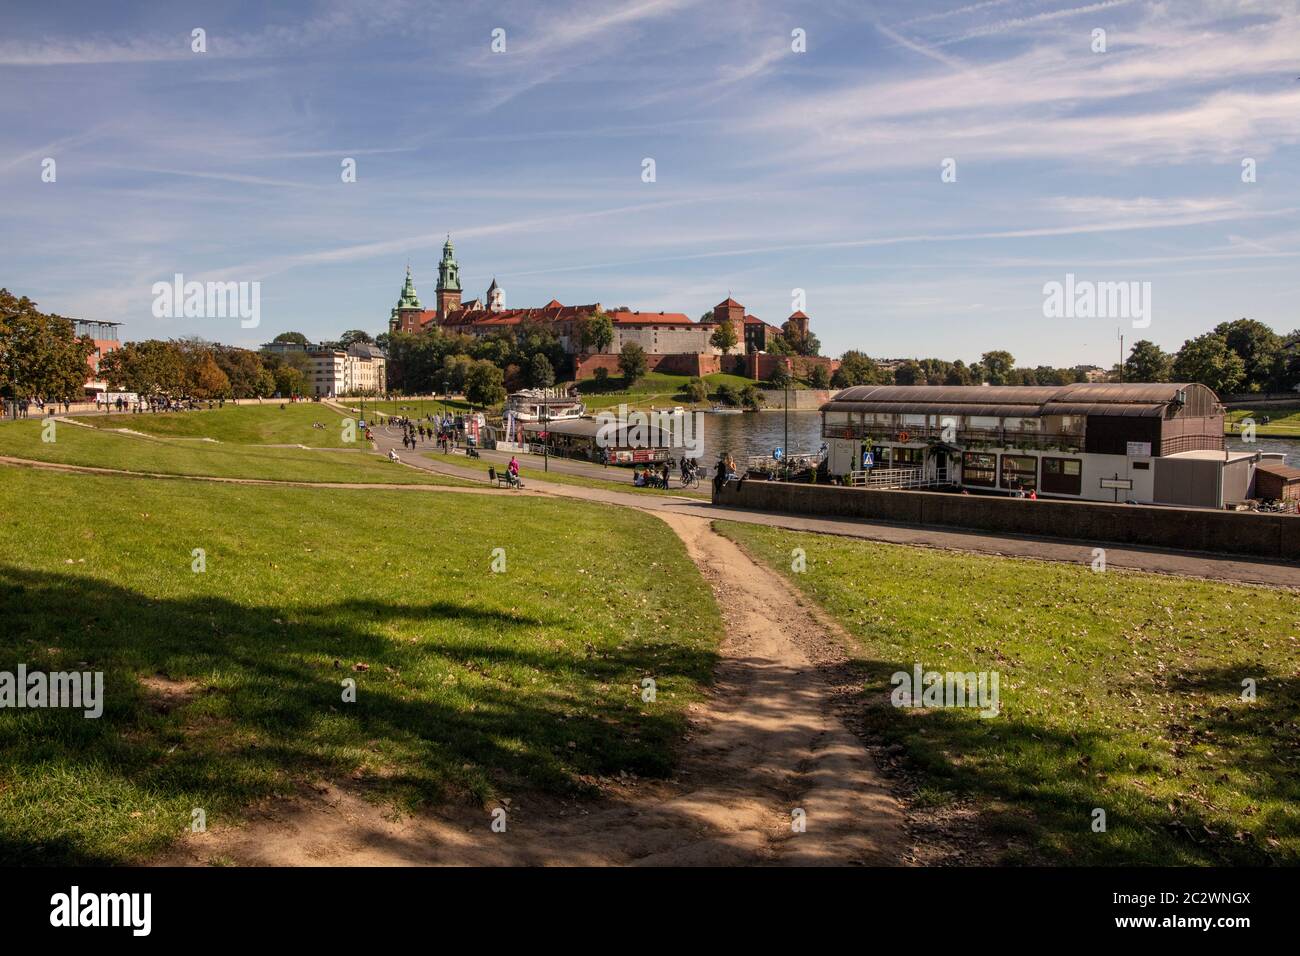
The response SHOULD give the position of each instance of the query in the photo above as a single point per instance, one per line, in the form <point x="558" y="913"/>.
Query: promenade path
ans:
<point x="1241" y="570"/>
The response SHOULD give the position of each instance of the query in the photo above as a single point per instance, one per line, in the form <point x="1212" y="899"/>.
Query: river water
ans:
<point x="760" y="433"/>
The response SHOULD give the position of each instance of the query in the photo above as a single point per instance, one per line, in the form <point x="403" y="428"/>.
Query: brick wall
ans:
<point x="674" y="363"/>
<point x="760" y="365"/>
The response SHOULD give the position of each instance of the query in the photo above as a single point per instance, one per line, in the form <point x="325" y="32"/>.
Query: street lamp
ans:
<point x="789" y="371"/>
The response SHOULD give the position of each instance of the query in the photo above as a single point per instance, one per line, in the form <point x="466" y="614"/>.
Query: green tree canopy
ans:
<point x="997" y="366"/>
<point x="1147" y="362"/>
<point x="632" y="363"/>
<point x="485" y="384"/>
<point x="540" y="373"/>
<point x="596" y="332"/>
<point x="1208" y="360"/>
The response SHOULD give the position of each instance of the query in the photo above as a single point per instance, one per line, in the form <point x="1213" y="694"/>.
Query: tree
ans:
<point x="724" y="337"/>
<point x="727" y="394"/>
<point x="540" y="373"/>
<point x="485" y="384"/>
<point x="1208" y="360"/>
<point x="596" y="332"/>
<point x="997" y="366"/>
<point x="632" y="363"/>
<point x="779" y="345"/>
<point x="697" y="390"/>
<point x="40" y="355"/>
<point x="818" y="377"/>
<point x="355" y="335"/>
<point x="909" y="373"/>
<point x="244" y="369"/>
<point x="1258" y="346"/>
<point x="1147" y="362"/>
<point x="856" y="368"/>
<point x="601" y="377"/>
<point x="801" y="344"/>
<point x="289" y="381"/>
<point x="151" y="367"/>
<point x="1287" y="366"/>
<point x="297" y="338"/>
<point x="751" y="397"/>
<point x="205" y="379"/>
<point x="780" y="377"/>
<point x="958" y="374"/>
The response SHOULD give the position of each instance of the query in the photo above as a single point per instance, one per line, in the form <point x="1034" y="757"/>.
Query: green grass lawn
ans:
<point x="1119" y="691"/>
<point x="656" y="388"/>
<point x="266" y="424"/>
<point x="1284" y="420"/>
<point x="223" y="687"/>
<point x="412" y="407"/>
<point x="75" y="445"/>
<point x="620" y="480"/>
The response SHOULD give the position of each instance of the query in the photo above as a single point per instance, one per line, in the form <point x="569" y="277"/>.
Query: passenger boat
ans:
<point x="537" y="405"/>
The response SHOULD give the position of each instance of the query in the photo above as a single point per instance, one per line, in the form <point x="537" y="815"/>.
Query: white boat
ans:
<point x="537" y="405"/>
<point x="723" y="410"/>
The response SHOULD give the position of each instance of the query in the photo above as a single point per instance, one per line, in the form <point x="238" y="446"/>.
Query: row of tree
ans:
<point x="195" y="368"/>
<point x="1240" y="356"/>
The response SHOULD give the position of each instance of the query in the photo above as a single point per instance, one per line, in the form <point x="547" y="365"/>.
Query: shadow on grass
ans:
<point x="1045" y="782"/>
<point x="489" y="705"/>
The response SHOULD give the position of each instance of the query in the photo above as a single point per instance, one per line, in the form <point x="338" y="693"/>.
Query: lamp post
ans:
<point x="546" y="431"/>
<point x="789" y="371"/>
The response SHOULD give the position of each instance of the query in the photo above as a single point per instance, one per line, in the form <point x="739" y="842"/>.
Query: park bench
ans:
<point x="502" y="479"/>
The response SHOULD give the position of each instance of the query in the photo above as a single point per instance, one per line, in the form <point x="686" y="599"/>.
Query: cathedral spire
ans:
<point x="408" y="299"/>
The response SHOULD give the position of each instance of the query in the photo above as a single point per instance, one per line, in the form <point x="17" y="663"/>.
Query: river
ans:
<point x="759" y="433"/>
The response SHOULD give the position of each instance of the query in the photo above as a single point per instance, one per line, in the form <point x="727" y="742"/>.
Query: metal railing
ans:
<point x="898" y="478"/>
<point x="967" y="437"/>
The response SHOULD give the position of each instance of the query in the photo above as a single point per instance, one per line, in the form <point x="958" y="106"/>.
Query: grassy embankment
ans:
<point x="1284" y="421"/>
<point x="75" y="445"/>
<point x="265" y="424"/>
<point x="656" y="388"/>
<point x="225" y="686"/>
<point x="1119" y="690"/>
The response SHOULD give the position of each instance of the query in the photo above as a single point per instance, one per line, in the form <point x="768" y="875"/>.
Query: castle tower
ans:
<point x="406" y="314"/>
<point x="496" y="297"/>
<point x="796" y="327"/>
<point x="731" y="312"/>
<point x="448" y="281"/>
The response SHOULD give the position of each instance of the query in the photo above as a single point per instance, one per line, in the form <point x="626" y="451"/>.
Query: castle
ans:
<point x="672" y="341"/>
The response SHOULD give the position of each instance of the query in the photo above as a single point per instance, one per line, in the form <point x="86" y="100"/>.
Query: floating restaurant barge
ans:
<point x="1145" y="443"/>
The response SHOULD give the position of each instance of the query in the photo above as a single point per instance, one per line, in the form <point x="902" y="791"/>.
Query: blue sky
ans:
<point x="775" y="170"/>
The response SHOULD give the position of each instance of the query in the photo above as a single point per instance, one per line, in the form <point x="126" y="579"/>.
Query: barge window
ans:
<point x="979" y="469"/>
<point x="1019" y="471"/>
<point x="1063" y="476"/>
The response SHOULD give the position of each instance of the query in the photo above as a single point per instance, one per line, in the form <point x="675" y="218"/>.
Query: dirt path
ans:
<point x="765" y="744"/>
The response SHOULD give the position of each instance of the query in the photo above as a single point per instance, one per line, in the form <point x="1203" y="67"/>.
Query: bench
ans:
<point x="502" y="479"/>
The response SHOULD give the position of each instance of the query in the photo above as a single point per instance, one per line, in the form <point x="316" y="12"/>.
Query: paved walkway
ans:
<point x="1182" y="563"/>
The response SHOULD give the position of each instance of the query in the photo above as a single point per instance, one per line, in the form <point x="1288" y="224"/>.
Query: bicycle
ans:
<point x="691" y="479"/>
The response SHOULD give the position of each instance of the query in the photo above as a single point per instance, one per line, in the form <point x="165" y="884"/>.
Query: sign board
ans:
<point x="1139" y="449"/>
<point x="868" y="460"/>
<point x="776" y="455"/>
<point x="1124" y="484"/>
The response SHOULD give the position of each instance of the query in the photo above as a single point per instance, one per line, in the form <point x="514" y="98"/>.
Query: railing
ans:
<point x="898" y="478"/>
<point x="966" y="437"/>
